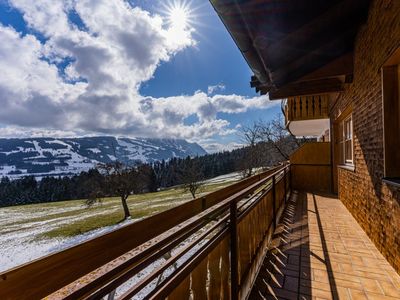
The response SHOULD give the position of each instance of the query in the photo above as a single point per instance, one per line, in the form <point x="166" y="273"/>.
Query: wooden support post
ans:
<point x="273" y="202"/>
<point x="203" y="203"/>
<point x="234" y="252"/>
<point x="285" y="186"/>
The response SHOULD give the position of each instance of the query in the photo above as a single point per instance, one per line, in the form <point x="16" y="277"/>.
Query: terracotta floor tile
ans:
<point x="343" y="293"/>
<point x="358" y="295"/>
<point x="348" y="284"/>
<point x="324" y="254"/>
<point x="363" y="274"/>
<point x="306" y="297"/>
<point x="309" y="286"/>
<point x="371" y="285"/>
<point x="291" y="283"/>
<point x="346" y="277"/>
<point x="321" y="293"/>
<point x="289" y="272"/>
<point x="346" y="268"/>
<point x="389" y="289"/>
<point x="284" y="294"/>
<point x="370" y="269"/>
<point x="356" y="260"/>
<point x="372" y="296"/>
<point x="320" y="275"/>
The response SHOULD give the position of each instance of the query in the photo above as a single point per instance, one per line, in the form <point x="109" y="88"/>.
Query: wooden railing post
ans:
<point x="234" y="252"/>
<point x="285" y="184"/>
<point x="273" y="202"/>
<point x="203" y="203"/>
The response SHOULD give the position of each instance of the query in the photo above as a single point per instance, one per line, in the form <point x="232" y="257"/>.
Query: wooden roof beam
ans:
<point x="313" y="87"/>
<point x="317" y="32"/>
<point x="344" y="65"/>
<point x="316" y="59"/>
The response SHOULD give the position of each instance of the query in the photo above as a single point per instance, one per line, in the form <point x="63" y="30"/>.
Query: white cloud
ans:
<point x="23" y="132"/>
<point x="119" y="48"/>
<point x="212" y="146"/>
<point x="215" y="88"/>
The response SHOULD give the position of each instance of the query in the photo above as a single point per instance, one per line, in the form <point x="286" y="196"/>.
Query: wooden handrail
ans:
<point x="44" y="276"/>
<point x="202" y="218"/>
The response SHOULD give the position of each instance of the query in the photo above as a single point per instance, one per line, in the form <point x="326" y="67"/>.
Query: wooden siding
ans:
<point x="311" y="167"/>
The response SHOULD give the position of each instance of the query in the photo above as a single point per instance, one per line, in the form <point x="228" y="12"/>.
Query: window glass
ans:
<point x="348" y="140"/>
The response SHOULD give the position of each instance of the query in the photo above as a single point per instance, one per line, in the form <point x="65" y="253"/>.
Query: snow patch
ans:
<point x="94" y="150"/>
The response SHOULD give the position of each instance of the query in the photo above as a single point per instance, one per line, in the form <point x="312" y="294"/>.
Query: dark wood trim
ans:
<point x="343" y="65"/>
<point x="315" y="59"/>
<point x="313" y="87"/>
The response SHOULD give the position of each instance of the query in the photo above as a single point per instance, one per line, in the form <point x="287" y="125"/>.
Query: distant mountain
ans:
<point x="66" y="156"/>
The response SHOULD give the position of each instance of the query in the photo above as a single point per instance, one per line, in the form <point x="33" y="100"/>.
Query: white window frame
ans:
<point x="348" y="137"/>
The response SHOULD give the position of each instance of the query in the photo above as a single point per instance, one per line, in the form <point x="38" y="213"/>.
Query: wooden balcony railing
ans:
<point x="208" y="248"/>
<point x="306" y="108"/>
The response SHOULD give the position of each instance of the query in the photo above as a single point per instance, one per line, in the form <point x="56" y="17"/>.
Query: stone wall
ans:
<point x="374" y="204"/>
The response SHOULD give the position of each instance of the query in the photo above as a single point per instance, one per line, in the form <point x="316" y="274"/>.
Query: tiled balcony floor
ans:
<point x="320" y="252"/>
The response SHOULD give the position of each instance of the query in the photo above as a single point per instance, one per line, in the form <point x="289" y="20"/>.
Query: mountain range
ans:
<point x="67" y="156"/>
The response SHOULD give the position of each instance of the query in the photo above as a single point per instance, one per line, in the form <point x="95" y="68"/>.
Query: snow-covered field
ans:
<point x="23" y="229"/>
<point x="226" y="178"/>
<point x="19" y="242"/>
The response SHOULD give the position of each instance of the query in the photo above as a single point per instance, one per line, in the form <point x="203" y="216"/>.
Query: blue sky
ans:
<point x="138" y="68"/>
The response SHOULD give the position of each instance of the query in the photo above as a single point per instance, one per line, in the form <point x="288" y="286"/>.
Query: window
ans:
<point x="343" y="137"/>
<point x="391" y="116"/>
<point x="348" y="140"/>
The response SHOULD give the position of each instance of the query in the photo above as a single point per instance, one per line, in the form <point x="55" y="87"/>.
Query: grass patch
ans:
<point x="109" y="212"/>
<point x="83" y="226"/>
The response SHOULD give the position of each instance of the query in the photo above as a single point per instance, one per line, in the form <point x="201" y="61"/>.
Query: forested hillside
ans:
<point x="158" y="175"/>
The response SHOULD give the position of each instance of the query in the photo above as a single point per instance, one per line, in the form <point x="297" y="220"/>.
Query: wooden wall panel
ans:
<point x="312" y="178"/>
<point x="311" y="167"/>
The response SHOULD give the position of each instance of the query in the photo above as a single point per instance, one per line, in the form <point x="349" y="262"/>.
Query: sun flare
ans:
<point x="179" y="21"/>
<point x="178" y="17"/>
<point x="179" y="14"/>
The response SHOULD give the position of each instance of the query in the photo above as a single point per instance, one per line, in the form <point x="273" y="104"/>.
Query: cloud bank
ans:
<point x="81" y="70"/>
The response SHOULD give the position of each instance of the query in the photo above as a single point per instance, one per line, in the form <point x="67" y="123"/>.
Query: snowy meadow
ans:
<point x="29" y="232"/>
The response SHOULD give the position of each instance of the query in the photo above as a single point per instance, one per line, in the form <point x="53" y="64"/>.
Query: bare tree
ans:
<point x="121" y="180"/>
<point x="192" y="177"/>
<point x="250" y="136"/>
<point x="275" y="133"/>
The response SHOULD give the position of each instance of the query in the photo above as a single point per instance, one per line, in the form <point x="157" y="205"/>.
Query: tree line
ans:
<point x="267" y="144"/>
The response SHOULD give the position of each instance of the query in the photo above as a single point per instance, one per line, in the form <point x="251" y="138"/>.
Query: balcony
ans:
<point x="259" y="238"/>
<point x="307" y="115"/>
<point x="320" y="252"/>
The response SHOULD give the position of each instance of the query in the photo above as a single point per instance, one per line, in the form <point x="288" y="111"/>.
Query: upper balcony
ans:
<point x="307" y="115"/>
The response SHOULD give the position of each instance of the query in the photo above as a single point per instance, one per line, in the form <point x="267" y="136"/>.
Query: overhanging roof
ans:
<point x="295" y="47"/>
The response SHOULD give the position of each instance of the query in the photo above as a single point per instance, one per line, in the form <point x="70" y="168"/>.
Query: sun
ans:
<point x="178" y="15"/>
<point x="179" y="19"/>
